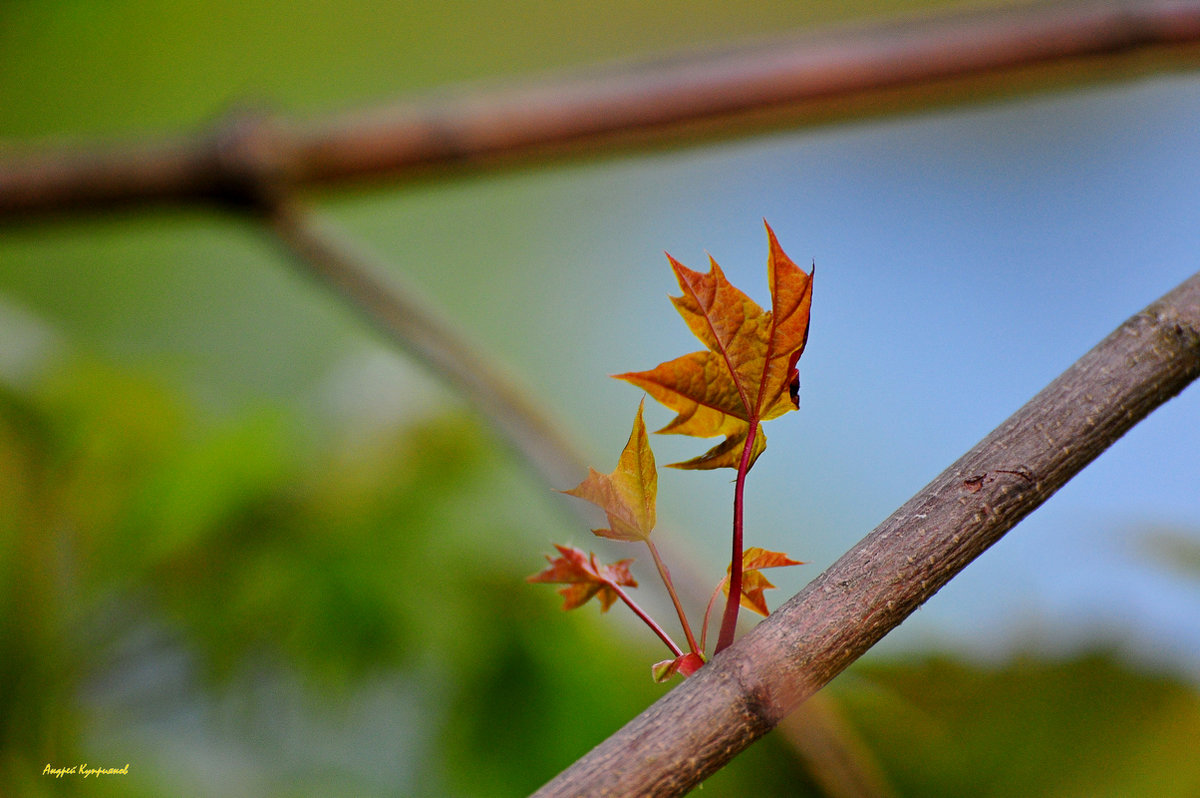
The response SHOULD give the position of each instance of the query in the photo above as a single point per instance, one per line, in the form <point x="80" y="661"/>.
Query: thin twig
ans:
<point x="665" y="575"/>
<point x="646" y="619"/>
<point x="521" y="422"/>
<point x="745" y="691"/>
<point x="800" y="79"/>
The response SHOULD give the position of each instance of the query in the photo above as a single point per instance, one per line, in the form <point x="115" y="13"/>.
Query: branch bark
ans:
<point x="747" y="689"/>
<point x="789" y="81"/>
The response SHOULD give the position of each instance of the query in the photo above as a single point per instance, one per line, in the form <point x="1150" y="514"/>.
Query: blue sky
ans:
<point x="964" y="259"/>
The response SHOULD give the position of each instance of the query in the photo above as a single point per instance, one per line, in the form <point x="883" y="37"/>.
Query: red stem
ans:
<point x="646" y="619"/>
<point x="666" y="577"/>
<point x="734" y="602"/>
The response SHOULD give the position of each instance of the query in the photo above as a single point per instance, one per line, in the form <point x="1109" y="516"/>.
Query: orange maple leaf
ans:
<point x="753" y="582"/>
<point x="627" y="495"/>
<point x="584" y="578"/>
<point x="748" y="372"/>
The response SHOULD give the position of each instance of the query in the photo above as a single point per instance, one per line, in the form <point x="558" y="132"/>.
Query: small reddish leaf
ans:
<point x="684" y="664"/>
<point x="753" y="585"/>
<point x="627" y="495"/>
<point x="583" y="578"/>
<point x="748" y="372"/>
<point x="662" y="671"/>
<point x="757" y="557"/>
<point x="753" y="582"/>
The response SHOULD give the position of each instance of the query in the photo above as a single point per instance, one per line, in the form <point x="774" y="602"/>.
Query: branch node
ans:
<point x="252" y="161"/>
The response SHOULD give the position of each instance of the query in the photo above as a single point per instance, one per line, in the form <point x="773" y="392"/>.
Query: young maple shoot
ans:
<point x="746" y="375"/>
<point x="627" y="496"/>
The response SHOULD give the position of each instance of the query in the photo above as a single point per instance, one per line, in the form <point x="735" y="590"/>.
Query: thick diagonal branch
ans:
<point x="745" y="691"/>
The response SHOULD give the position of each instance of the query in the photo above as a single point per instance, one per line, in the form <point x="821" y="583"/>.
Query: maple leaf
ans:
<point x="627" y="495"/>
<point x="753" y="581"/>
<point x="584" y="578"/>
<point x="748" y="372"/>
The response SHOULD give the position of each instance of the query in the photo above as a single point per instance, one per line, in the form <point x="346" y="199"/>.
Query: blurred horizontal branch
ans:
<point x="750" y="687"/>
<point x="786" y="82"/>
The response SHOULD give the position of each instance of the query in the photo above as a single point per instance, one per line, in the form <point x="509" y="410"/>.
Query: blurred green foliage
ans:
<point x="159" y="565"/>
<point x="244" y="607"/>
<point x="124" y="511"/>
<point x="1087" y="726"/>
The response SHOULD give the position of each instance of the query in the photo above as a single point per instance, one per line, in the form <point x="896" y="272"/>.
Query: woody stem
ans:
<point x="646" y="619"/>
<point x="729" y="619"/>
<point x="666" y="577"/>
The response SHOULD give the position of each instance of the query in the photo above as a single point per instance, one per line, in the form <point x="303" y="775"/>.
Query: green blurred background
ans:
<point x="250" y="550"/>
